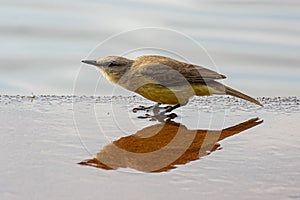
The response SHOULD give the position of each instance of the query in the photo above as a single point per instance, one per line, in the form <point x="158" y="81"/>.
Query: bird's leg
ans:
<point x="155" y="106"/>
<point x="170" y="109"/>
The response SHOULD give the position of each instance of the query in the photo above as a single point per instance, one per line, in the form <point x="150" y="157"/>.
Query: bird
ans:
<point x="164" y="80"/>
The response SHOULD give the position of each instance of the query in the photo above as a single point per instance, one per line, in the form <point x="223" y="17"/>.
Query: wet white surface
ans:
<point x="41" y="146"/>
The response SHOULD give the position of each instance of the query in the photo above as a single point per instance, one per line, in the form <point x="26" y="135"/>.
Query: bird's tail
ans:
<point x="220" y="89"/>
<point x="238" y="94"/>
<point x="214" y="87"/>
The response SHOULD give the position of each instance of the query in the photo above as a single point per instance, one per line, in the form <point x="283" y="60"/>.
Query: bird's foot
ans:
<point x="156" y="108"/>
<point x="161" y="117"/>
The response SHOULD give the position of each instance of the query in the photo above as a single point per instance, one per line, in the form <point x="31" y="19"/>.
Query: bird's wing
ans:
<point x="195" y="73"/>
<point x="173" y="74"/>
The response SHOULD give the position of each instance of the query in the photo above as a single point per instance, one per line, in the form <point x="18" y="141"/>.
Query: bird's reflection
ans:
<point x="163" y="146"/>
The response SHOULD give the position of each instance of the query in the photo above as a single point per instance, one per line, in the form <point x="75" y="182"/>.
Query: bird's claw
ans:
<point x="144" y="117"/>
<point x="146" y="108"/>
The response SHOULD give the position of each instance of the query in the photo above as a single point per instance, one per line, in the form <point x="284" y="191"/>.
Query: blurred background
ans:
<point x="256" y="43"/>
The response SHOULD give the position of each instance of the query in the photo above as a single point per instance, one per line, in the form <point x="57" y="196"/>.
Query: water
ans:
<point x="43" y="138"/>
<point x="255" y="44"/>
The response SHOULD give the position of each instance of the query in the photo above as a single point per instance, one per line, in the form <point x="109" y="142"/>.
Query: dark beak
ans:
<point x="90" y="62"/>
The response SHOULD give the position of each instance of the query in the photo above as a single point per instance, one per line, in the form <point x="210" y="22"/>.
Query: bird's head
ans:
<point x="113" y="67"/>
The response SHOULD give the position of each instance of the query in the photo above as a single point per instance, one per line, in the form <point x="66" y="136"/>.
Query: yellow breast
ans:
<point x="165" y="95"/>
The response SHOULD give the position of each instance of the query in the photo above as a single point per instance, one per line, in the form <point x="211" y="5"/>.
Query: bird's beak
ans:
<point x="90" y="62"/>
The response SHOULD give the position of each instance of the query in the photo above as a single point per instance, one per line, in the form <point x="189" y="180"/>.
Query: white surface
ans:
<point x="39" y="149"/>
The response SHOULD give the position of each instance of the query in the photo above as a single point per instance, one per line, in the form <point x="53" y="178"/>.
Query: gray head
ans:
<point x="109" y="61"/>
<point x="113" y="67"/>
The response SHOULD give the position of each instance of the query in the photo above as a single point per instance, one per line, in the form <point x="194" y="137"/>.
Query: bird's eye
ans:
<point x="111" y="64"/>
<point x="114" y="64"/>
